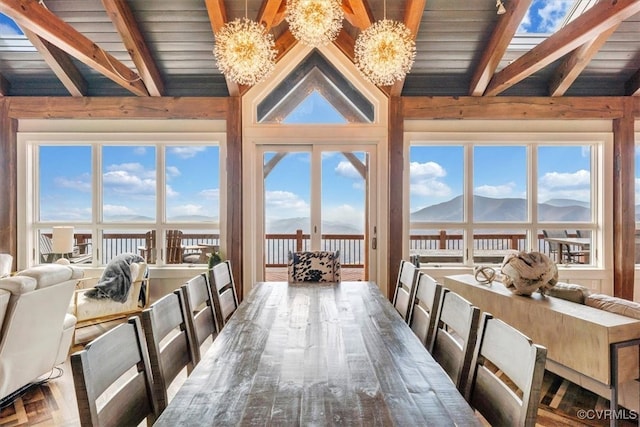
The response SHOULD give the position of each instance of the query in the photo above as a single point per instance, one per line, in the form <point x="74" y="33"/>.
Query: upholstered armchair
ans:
<point x="6" y="262"/>
<point x="36" y="330"/>
<point x="90" y="310"/>
<point x="314" y="266"/>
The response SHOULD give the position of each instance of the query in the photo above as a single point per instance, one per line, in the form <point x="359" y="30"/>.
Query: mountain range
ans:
<point x="487" y="209"/>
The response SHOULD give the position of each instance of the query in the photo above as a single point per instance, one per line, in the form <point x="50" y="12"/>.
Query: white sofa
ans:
<point x="36" y="330"/>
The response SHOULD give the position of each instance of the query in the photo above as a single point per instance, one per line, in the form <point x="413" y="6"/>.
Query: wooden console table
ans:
<point x="579" y="338"/>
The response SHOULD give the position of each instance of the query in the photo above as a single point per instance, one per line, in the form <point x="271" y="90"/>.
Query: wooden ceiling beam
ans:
<point x="587" y="26"/>
<point x="38" y="19"/>
<point x="494" y="50"/>
<point x="218" y="17"/>
<point x="346" y="44"/>
<point x="60" y="63"/>
<point x="126" y="24"/>
<point x="271" y="13"/>
<point x="358" y="13"/>
<point x="413" y="11"/>
<point x="632" y="86"/>
<point x="575" y="62"/>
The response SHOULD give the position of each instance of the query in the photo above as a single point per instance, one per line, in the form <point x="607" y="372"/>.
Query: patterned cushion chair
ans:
<point x="314" y="266"/>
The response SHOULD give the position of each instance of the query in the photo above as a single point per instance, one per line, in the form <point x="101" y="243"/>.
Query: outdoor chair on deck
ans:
<point x="506" y="359"/>
<point x="404" y="288"/>
<point x="148" y="251"/>
<point x="314" y="266"/>
<point x="176" y="253"/>
<point x="78" y="256"/>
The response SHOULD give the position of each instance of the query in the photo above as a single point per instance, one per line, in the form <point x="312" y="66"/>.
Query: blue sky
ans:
<point x="129" y="182"/>
<point x="437" y="173"/>
<point x="545" y="16"/>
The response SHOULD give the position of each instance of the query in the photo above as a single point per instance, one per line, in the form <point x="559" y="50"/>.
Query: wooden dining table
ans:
<point x="317" y="354"/>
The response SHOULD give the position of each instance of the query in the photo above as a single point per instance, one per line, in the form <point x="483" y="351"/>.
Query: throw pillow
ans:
<point x="614" y="305"/>
<point x="570" y="292"/>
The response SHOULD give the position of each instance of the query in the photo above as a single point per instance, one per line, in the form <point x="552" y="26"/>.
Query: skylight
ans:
<point x="8" y="27"/>
<point x="544" y="18"/>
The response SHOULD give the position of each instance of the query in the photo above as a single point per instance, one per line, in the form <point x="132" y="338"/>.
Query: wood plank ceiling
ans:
<point x="164" y="47"/>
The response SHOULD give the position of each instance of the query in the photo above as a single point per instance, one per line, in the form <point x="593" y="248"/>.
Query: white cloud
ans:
<point x="347" y="170"/>
<point x="140" y="150"/>
<point x="285" y="204"/>
<point x="559" y="180"/>
<point x="82" y="183"/>
<point x="170" y="192"/>
<point x="188" y="209"/>
<point x="186" y="152"/>
<point x="121" y="181"/>
<point x="496" y="191"/>
<point x="428" y="170"/>
<point x="425" y="182"/>
<point x="210" y="193"/>
<point x="344" y="214"/>
<point x="547" y="18"/>
<point x="117" y="210"/>
<point x="129" y="167"/>
<point x="172" y="171"/>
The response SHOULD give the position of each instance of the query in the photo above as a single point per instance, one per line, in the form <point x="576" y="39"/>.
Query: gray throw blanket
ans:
<point x="116" y="278"/>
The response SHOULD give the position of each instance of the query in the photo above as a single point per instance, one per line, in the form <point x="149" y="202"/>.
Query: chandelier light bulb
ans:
<point x="385" y="52"/>
<point x="244" y="51"/>
<point x="314" y="22"/>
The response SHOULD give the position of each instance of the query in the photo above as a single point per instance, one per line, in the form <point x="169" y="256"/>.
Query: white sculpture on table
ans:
<point x="527" y="272"/>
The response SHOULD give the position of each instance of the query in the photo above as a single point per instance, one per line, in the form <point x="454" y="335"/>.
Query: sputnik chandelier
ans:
<point x="314" y="22"/>
<point x="245" y="51"/>
<point x="385" y="51"/>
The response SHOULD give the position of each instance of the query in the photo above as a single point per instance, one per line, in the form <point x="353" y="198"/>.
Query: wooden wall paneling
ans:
<point x="396" y="166"/>
<point x="624" y="224"/>
<point x="234" y="191"/>
<point x="8" y="182"/>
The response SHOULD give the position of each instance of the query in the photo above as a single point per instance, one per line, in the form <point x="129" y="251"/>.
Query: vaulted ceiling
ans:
<point x="164" y="47"/>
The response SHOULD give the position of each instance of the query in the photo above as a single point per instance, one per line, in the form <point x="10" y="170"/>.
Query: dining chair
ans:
<point x="117" y="362"/>
<point x="314" y="266"/>
<point x="223" y="290"/>
<point x="506" y="376"/>
<point x="201" y="312"/>
<point x="168" y="335"/>
<point x="455" y="336"/>
<point x="404" y="288"/>
<point x="426" y="302"/>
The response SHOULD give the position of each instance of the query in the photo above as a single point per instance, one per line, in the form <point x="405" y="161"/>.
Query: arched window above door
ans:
<point x="315" y="92"/>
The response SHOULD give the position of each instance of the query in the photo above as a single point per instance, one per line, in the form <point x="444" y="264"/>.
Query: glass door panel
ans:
<point x="343" y="209"/>
<point x="287" y="208"/>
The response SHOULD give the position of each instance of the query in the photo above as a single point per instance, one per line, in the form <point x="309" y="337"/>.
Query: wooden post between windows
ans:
<point x="624" y="223"/>
<point x="9" y="183"/>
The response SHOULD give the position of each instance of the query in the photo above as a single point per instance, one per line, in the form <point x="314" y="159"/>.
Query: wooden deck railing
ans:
<point x="352" y="246"/>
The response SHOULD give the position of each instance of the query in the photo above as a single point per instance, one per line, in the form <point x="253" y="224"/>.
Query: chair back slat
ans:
<point x="404" y="288"/>
<point x="223" y="290"/>
<point x="200" y="309"/>
<point x="426" y="303"/>
<point x="505" y="363"/>
<point x="101" y="364"/>
<point x="455" y="336"/>
<point x="168" y="335"/>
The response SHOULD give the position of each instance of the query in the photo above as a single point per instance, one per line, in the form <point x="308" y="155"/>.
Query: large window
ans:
<point x="472" y="202"/>
<point x="160" y="200"/>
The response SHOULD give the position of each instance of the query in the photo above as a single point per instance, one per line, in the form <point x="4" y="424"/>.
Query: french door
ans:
<point x="317" y="197"/>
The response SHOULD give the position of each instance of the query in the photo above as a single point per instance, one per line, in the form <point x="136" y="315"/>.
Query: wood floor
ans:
<point x="53" y="403"/>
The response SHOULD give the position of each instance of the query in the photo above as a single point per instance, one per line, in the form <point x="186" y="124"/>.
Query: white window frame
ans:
<point x="601" y="180"/>
<point x="28" y="183"/>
